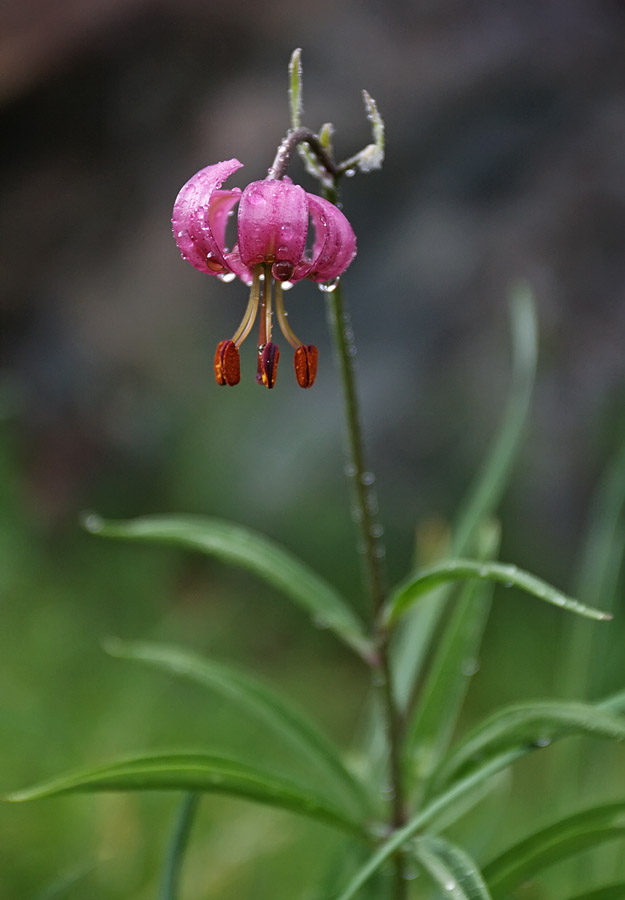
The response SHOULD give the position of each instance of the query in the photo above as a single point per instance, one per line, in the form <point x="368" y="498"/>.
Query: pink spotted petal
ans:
<point x="335" y="241"/>
<point x="200" y="215"/>
<point x="272" y="224"/>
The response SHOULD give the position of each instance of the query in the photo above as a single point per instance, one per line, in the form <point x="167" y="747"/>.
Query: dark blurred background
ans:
<point x="505" y="160"/>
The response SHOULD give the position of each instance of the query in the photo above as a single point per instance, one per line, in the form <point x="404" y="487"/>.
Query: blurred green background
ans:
<point x="506" y="141"/>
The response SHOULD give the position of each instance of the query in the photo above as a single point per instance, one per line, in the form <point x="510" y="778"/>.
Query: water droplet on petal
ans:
<point x="227" y="277"/>
<point x="255" y="198"/>
<point x="349" y="173"/>
<point x="327" y="287"/>
<point x="450" y="885"/>
<point x="286" y="286"/>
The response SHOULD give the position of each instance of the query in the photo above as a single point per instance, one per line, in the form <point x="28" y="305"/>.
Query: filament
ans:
<point x="286" y="329"/>
<point x="250" y="313"/>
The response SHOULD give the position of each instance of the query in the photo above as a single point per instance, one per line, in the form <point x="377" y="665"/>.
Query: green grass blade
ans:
<point x="485" y="493"/>
<point x="431" y="728"/>
<point x="285" y="721"/>
<point x="458" y="569"/>
<point x="451" y="868"/>
<point x="552" y="844"/>
<point x="525" y="727"/>
<point x="418" y="823"/>
<point x="197" y="772"/>
<point x="177" y="847"/>
<point x="244" y="548"/>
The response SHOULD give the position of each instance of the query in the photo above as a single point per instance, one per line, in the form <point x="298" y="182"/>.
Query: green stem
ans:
<point x="177" y="846"/>
<point x="370" y="537"/>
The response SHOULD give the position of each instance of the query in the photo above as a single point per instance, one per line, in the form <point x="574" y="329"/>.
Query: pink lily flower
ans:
<point x="272" y="229"/>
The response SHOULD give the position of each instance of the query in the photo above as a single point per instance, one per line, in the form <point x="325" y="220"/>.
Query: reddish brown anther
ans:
<point x="268" y="365"/>
<point x="305" y="361"/>
<point x="227" y="366"/>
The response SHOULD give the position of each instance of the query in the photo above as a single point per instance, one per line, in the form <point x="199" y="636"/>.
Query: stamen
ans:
<point x="305" y="361"/>
<point x="227" y="366"/>
<point x="268" y="365"/>
<point x="268" y="353"/>
<point x="249" y="316"/>
<point x="285" y="328"/>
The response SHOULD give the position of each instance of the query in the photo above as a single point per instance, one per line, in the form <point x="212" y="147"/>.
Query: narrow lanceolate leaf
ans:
<point x="248" y="550"/>
<point x="485" y="493"/>
<point x="458" y="569"/>
<point x="550" y="845"/>
<point x="524" y="727"/>
<point x="434" y="719"/>
<point x="422" y="820"/>
<point x="451" y="868"/>
<point x="607" y="892"/>
<point x="197" y="772"/>
<point x="174" y="856"/>
<point x="295" y="88"/>
<point x="287" y="722"/>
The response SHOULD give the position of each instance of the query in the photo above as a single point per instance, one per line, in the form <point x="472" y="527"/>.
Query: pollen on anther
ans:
<point x="227" y="364"/>
<point x="305" y="362"/>
<point x="268" y="365"/>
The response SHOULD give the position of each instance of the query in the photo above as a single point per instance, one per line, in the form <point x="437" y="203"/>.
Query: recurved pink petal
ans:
<point x="200" y="215"/>
<point x="335" y="241"/>
<point x="272" y="225"/>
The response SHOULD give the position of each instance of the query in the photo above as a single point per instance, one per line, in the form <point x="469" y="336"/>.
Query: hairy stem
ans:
<point x="288" y="145"/>
<point x="370" y="538"/>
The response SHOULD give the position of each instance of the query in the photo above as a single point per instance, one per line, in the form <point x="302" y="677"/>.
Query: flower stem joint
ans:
<point x="269" y="256"/>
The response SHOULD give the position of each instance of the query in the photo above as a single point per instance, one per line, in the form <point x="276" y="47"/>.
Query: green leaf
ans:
<point x="286" y="721"/>
<point x="451" y="868"/>
<point x="599" y="570"/>
<point x="418" y="823"/>
<point x="295" y="88"/>
<point x="457" y="569"/>
<point x="196" y="772"/>
<point x="485" y="493"/>
<point x="178" y="845"/>
<point x="58" y="890"/>
<point x="296" y="109"/>
<point x="552" y="844"/>
<point x="435" y="716"/>
<point x="607" y="892"/>
<point x="524" y="727"/>
<point x="248" y="550"/>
